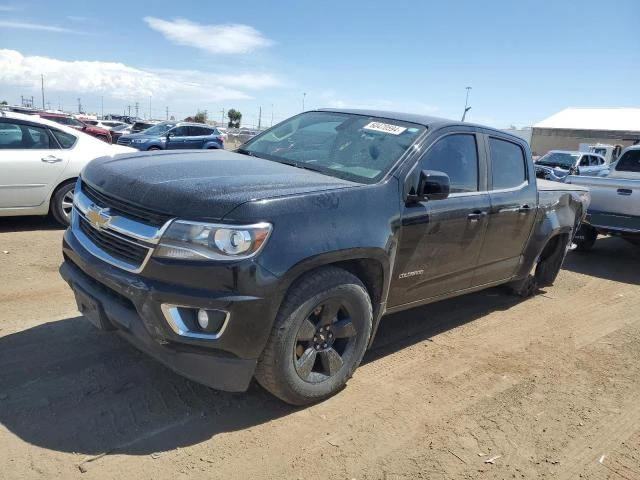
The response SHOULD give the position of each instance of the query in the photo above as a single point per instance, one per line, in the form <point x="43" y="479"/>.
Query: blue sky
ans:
<point x="524" y="60"/>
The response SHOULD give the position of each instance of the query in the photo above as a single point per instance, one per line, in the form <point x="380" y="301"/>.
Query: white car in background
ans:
<point x="39" y="163"/>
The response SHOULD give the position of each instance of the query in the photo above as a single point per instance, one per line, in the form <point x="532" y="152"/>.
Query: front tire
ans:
<point x="62" y="203"/>
<point x="153" y="148"/>
<point x="318" y="339"/>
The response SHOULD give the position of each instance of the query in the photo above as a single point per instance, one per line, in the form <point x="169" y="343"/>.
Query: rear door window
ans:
<point x="508" y="164"/>
<point x="199" y="131"/>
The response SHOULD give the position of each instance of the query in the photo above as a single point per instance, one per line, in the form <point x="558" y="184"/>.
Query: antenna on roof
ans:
<point x="466" y="103"/>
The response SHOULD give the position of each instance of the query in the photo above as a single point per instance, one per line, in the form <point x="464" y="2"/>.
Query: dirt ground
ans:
<point x="484" y="386"/>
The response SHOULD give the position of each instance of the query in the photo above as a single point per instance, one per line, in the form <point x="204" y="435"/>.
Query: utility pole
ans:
<point x="466" y="103"/>
<point x="129" y="107"/>
<point x="166" y="114"/>
<point x="149" y="107"/>
<point x="222" y="117"/>
<point x="137" y="106"/>
<point x="272" y="114"/>
<point x="79" y="106"/>
<point x="303" y="97"/>
<point x="260" y="118"/>
<point x="102" y="107"/>
<point x="42" y="86"/>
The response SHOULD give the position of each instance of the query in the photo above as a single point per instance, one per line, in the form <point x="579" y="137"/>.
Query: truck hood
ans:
<point x="201" y="185"/>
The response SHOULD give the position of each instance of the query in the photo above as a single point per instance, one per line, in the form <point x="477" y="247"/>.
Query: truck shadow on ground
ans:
<point x="611" y="258"/>
<point x="28" y="224"/>
<point x="66" y="386"/>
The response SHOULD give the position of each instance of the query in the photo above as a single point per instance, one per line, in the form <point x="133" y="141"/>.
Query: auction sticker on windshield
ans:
<point x="384" y="128"/>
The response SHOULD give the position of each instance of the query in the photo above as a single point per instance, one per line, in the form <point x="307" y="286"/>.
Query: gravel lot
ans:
<point x="484" y="386"/>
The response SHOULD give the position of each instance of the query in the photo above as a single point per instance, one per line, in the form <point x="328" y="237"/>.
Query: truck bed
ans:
<point x="612" y="195"/>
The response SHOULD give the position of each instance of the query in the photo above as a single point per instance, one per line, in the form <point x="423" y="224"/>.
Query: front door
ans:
<point x="440" y="240"/>
<point x="30" y="163"/>
<point x="177" y="138"/>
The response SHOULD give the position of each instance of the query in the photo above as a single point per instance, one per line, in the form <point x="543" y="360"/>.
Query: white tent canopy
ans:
<point x="618" y="119"/>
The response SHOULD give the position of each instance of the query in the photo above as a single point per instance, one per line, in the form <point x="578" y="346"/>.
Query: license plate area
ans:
<point x="92" y="310"/>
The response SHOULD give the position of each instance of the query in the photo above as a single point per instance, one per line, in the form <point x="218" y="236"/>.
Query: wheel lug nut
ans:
<point x="324" y="345"/>
<point x="321" y="329"/>
<point x="330" y="335"/>
<point x="317" y="347"/>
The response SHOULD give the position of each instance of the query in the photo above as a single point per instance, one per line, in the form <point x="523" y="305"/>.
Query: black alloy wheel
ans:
<point x="325" y="339"/>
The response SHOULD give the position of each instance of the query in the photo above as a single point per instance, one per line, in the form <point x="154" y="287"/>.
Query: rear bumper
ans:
<point x="131" y="305"/>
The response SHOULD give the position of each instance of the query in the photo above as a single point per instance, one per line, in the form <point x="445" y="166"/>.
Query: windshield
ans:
<point x="558" y="159"/>
<point x="159" y="129"/>
<point x="354" y="147"/>
<point x="599" y="151"/>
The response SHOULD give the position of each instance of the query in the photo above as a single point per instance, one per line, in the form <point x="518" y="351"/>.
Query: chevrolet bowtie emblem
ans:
<point x="98" y="217"/>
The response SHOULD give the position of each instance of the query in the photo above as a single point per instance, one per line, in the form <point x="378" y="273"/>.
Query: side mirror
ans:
<point x="574" y="171"/>
<point x="432" y="185"/>
<point x="169" y="135"/>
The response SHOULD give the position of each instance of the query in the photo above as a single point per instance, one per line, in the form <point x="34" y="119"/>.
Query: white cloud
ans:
<point x="220" y="39"/>
<point x="75" y="18"/>
<point x="37" y="26"/>
<point x="124" y="82"/>
<point x="7" y="8"/>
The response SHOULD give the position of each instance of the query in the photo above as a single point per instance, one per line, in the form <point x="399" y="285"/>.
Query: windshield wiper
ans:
<point x="244" y="151"/>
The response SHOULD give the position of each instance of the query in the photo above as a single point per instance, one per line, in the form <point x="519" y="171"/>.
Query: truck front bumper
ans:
<point x="136" y="308"/>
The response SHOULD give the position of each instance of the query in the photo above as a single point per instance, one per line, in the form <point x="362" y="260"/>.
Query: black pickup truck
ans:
<point x="277" y="261"/>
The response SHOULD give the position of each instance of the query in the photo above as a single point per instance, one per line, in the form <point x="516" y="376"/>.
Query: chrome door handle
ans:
<point x="50" y="159"/>
<point x="475" y="216"/>
<point x="524" y="209"/>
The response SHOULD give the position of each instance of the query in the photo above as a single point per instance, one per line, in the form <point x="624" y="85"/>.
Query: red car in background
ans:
<point x="100" y="133"/>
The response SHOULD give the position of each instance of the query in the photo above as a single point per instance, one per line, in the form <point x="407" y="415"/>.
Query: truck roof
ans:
<point x="426" y="120"/>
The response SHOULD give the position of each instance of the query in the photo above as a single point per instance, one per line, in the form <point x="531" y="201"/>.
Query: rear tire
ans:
<point x="585" y="237"/>
<point x="153" y="148"/>
<point x="318" y="339"/>
<point x="62" y="203"/>
<point x="545" y="270"/>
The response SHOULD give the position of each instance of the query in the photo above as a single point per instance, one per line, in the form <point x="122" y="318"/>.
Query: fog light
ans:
<point x="203" y="319"/>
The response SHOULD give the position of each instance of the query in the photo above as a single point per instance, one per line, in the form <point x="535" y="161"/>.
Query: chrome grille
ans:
<point x="115" y="245"/>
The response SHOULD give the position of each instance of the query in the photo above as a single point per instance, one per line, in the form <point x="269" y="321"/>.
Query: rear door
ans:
<point x="440" y="240"/>
<point x="197" y="136"/>
<point x="31" y="162"/>
<point x="514" y="200"/>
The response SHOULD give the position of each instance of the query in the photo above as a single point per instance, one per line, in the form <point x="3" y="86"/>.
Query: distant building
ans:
<point x="524" y="133"/>
<point x="567" y="129"/>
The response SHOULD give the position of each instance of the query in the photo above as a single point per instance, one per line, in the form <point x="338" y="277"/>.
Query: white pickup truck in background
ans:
<point x="615" y="201"/>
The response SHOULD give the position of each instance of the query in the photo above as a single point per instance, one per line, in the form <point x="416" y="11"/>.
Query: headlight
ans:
<point x="201" y="241"/>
